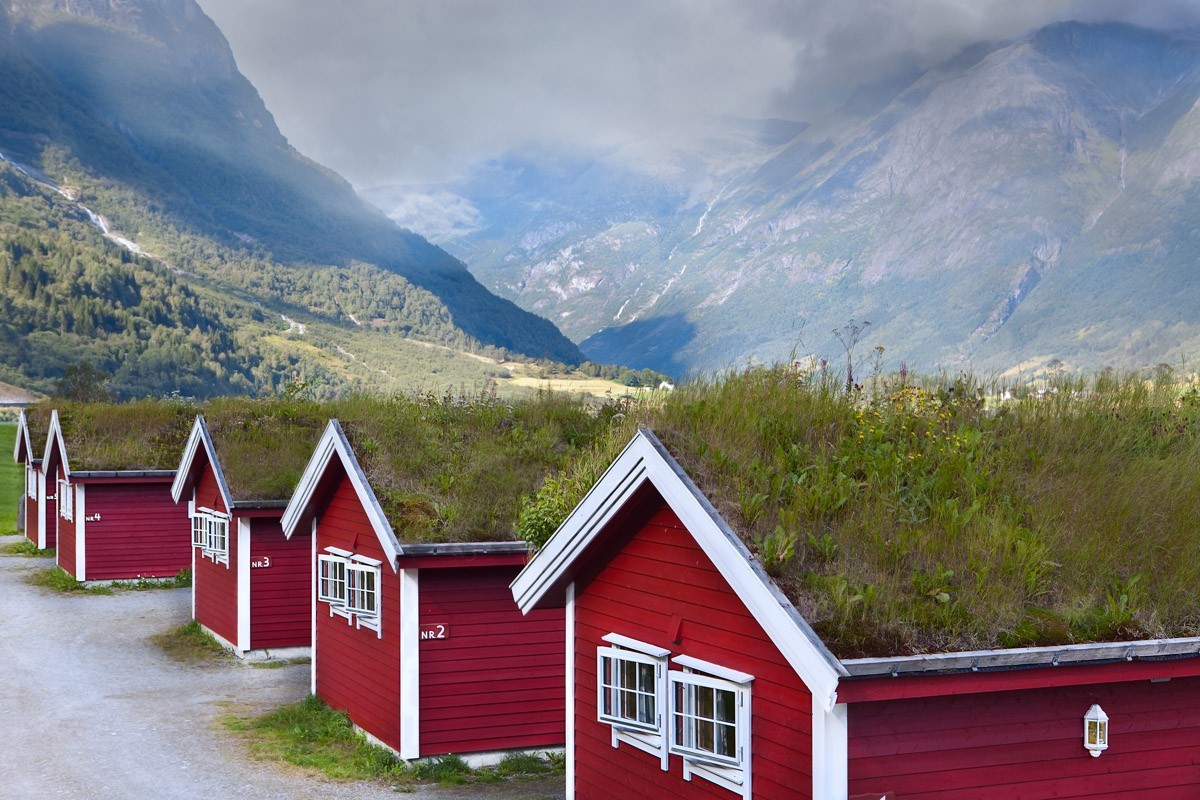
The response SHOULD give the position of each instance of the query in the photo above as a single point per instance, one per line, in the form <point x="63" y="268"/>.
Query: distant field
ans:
<point x="11" y="479"/>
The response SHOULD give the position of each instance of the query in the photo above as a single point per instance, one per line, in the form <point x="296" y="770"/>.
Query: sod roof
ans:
<point x="37" y="418"/>
<point x="453" y="471"/>
<point x="919" y="520"/>
<point x="141" y="435"/>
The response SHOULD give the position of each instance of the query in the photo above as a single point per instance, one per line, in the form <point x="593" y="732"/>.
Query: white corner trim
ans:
<point x="80" y="533"/>
<point x="243" y="585"/>
<point x="569" y="745"/>
<point x="192" y="513"/>
<point x="41" y="513"/>
<point x="334" y="443"/>
<point x="410" y="664"/>
<point x="830" y="750"/>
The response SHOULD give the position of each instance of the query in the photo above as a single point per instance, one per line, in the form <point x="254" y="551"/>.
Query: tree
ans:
<point x="83" y="383"/>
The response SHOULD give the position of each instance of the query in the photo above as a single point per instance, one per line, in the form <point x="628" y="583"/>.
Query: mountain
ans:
<point x="1024" y="206"/>
<point x="130" y="118"/>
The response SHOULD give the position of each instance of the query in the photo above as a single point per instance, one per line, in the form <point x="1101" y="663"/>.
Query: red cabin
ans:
<point x="421" y="644"/>
<point x="250" y="583"/>
<point x="38" y="512"/>
<point x="695" y="676"/>
<point x="116" y="519"/>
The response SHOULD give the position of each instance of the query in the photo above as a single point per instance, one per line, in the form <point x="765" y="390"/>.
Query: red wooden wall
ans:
<point x="655" y="575"/>
<point x="281" y="586"/>
<point x="215" y="586"/>
<point x="136" y="529"/>
<point x="496" y="681"/>
<point x="356" y="671"/>
<point x="60" y="533"/>
<point x="1028" y="744"/>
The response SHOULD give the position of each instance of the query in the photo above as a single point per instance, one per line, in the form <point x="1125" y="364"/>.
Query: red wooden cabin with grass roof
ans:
<point x="421" y="644"/>
<point x="250" y="583"/>
<point x="693" y="675"/>
<point x="40" y="512"/>
<point x="112" y="466"/>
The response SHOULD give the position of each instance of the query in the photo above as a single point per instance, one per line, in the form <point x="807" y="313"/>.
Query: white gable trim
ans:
<point x="200" y="437"/>
<point x="23" y="438"/>
<point x="644" y="460"/>
<point x="53" y="437"/>
<point x="334" y="443"/>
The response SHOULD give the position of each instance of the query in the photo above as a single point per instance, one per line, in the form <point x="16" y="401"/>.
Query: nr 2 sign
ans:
<point x="435" y="630"/>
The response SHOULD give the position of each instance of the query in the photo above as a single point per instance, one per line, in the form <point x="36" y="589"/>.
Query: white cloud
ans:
<point x="393" y="91"/>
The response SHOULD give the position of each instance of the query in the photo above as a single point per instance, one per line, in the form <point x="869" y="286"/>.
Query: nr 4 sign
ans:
<point x="435" y="630"/>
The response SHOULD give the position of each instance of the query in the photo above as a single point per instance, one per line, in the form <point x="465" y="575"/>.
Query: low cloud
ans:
<point x="389" y="91"/>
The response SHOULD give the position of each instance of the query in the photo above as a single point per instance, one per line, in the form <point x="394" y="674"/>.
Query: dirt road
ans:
<point x="91" y="710"/>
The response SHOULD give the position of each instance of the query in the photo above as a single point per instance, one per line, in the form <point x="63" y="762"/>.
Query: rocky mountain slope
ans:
<point x="1026" y="203"/>
<point x="136" y="110"/>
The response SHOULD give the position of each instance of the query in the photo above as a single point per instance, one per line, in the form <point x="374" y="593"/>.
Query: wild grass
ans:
<point x="311" y="735"/>
<point x="143" y="434"/>
<point x="190" y="644"/>
<point x="12" y="480"/>
<point x="921" y="518"/>
<point x="59" y="580"/>
<point x="26" y="548"/>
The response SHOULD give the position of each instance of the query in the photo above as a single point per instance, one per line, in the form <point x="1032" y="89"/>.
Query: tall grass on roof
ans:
<point x="265" y="444"/>
<point x="920" y="520"/>
<point x="140" y="435"/>
<point x="453" y="469"/>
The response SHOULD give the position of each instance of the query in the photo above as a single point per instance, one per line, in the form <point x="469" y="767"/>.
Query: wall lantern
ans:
<point x="1095" y="730"/>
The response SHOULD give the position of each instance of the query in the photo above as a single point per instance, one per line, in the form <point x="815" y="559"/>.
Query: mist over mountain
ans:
<point x="1024" y="203"/>
<point x="135" y="111"/>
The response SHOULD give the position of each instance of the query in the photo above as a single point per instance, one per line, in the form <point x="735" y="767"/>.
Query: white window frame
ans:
<point x="362" y="591"/>
<point x="210" y="532"/>
<point x="730" y="771"/>
<point x="66" y="500"/>
<point x="650" y="737"/>
<point x="31" y="483"/>
<point x="351" y="585"/>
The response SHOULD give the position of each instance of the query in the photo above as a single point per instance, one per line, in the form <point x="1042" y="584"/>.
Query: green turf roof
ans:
<point x="142" y="435"/>
<point x="921" y="520"/>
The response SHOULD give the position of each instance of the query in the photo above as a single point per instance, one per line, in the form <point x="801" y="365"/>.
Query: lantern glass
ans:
<point x="1095" y="730"/>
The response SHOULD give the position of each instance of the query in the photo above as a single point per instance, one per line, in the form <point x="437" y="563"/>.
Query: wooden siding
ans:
<point x="60" y="533"/>
<point x="358" y="672"/>
<point x="654" y="581"/>
<point x="134" y="530"/>
<point x="280" y="586"/>
<point x="215" y="586"/>
<point x="496" y="681"/>
<point x="30" y="516"/>
<point x="1028" y="745"/>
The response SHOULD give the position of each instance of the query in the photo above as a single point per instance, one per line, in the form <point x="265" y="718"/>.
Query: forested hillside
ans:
<point x="265" y="267"/>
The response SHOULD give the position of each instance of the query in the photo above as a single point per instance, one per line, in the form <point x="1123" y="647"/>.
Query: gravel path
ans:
<point x="91" y="710"/>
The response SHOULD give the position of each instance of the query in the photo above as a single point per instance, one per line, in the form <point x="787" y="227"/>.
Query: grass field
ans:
<point x="11" y="479"/>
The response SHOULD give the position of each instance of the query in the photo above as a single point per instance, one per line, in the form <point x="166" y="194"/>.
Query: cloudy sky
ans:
<point x="396" y="91"/>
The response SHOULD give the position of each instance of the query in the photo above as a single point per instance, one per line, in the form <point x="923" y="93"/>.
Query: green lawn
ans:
<point x="12" y="479"/>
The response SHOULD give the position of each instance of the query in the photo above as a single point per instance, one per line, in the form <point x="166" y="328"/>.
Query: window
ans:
<point x="31" y="482"/>
<point x="710" y="722"/>
<point x="349" y="583"/>
<point x="631" y="687"/>
<point x="66" y="500"/>
<point x="210" y="532"/>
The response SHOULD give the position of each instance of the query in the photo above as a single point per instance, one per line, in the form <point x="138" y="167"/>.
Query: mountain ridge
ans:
<point x="136" y="107"/>
<point x="1024" y="203"/>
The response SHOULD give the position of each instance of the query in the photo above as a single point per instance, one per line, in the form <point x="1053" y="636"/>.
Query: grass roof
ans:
<point x="454" y="469"/>
<point x="917" y="519"/>
<point x="264" y="445"/>
<point x="141" y="435"/>
<point x="37" y="418"/>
